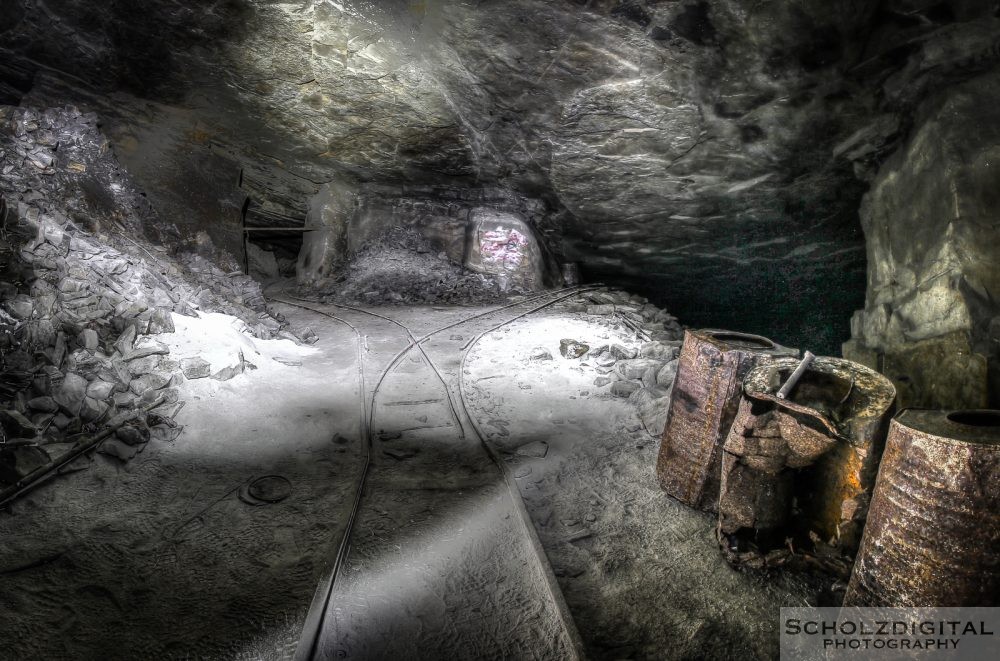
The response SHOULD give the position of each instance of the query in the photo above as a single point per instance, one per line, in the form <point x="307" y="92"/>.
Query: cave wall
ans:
<point x="711" y="155"/>
<point x="686" y="145"/>
<point x="325" y="246"/>
<point x="180" y="172"/>
<point x="931" y="321"/>
<point x="441" y="213"/>
<point x="447" y="217"/>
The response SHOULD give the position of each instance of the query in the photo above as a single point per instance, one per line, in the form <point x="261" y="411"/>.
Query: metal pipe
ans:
<point x="37" y="476"/>
<point x="796" y="375"/>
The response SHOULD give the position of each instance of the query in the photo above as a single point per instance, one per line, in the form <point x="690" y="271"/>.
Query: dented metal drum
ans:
<point x="798" y="473"/>
<point x="933" y="533"/>
<point x="703" y="403"/>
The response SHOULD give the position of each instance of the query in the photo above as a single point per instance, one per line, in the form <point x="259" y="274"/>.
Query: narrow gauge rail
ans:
<point x="312" y="628"/>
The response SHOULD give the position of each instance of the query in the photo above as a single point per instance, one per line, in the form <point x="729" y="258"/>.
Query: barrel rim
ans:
<point x="975" y="418"/>
<point x="885" y="394"/>
<point x="940" y="425"/>
<point x="726" y="336"/>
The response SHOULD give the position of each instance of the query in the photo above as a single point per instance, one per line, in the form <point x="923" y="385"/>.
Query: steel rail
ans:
<point x="414" y="341"/>
<point x="312" y="629"/>
<point x="549" y="575"/>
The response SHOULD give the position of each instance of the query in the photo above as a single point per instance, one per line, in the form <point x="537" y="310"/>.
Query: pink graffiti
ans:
<point x="503" y="247"/>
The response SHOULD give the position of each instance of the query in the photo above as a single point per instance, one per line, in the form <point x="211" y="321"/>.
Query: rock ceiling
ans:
<point x="706" y="151"/>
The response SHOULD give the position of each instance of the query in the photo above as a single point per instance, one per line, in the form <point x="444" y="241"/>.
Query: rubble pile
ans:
<point x="401" y="267"/>
<point x="643" y="372"/>
<point x="82" y="304"/>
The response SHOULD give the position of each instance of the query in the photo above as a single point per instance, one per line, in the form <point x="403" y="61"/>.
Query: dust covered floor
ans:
<point x="162" y="558"/>
<point x="642" y="573"/>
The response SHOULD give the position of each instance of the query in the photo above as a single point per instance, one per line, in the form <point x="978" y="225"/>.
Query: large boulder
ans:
<point x="931" y="322"/>
<point x="503" y="245"/>
<point x="263" y="263"/>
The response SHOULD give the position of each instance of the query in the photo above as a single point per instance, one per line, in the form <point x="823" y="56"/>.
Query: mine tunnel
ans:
<point x="535" y="329"/>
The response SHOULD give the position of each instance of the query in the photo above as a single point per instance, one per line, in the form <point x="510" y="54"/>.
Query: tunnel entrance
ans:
<point x="271" y="244"/>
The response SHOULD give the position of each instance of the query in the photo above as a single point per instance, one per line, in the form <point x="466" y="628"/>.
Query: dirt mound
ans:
<point x="400" y="267"/>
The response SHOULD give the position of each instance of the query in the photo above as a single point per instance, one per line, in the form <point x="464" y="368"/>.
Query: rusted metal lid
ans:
<point x="727" y="340"/>
<point x="738" y="340"/>
<point x="268" y="489"/>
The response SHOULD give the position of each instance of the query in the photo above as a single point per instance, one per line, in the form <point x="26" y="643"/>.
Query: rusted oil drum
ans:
<point x="703" y="403"/>
<point x="798" y="473"/>
<point x="933" y="533"/>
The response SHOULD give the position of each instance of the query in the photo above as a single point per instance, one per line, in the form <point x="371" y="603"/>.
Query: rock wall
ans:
<point x="85" y="300"/>
<point x="686" y="145"/>
<point x="324" y="247"/>
<point x="436" y="244"/>
<point x="711" y="155"/>
<point x="449" y="217"/>
<point x="931" y="322"/>
<point x="503" y="245"/>
<point x="441" y="213"/>
<point x="195" y="186"/>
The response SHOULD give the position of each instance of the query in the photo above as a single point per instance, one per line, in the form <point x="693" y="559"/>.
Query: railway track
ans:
<point x="343" y="622"/>
<point x="318" y="608"/>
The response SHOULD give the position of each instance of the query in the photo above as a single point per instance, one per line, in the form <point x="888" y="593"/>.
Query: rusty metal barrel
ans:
<point x="933" y="532"/>
<point x="703" y="404"/>
<point x="798" y="472"/>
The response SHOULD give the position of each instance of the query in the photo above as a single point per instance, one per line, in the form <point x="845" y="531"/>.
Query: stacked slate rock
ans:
<point x="644" y="374"/>
<point x="235" y="294"/>
<point x="56" y="168"/>
<point x="401" y="267"/>
<point x="82" y="304"/>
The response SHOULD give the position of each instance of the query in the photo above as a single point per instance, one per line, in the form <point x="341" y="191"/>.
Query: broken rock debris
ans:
<point x="83" y="299"/>
<point x="402" y="267"/>
<point x="572" y="349"/>
<point x="630" y="371"/>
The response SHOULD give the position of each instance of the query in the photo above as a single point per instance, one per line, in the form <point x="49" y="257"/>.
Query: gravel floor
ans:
<point x="162" y="559"/>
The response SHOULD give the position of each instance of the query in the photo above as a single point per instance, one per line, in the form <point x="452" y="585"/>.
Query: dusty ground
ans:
<point x="439" y="566"/>
<point x="642" y="573"/>
<point x="159" y="558"/>
<point x="162" y="559"/>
